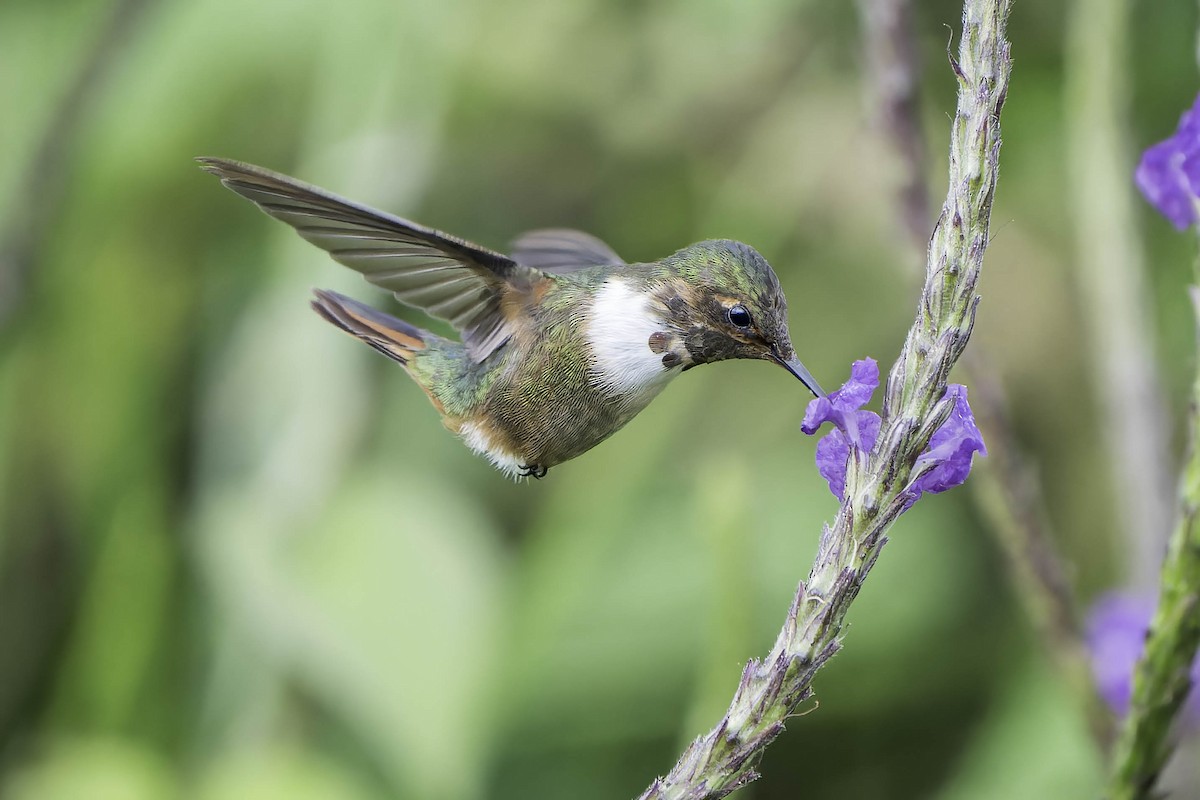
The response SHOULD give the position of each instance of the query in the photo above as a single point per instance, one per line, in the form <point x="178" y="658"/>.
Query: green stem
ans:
<point x="1112" y="284"/>
<point x="1004" y="485"/>
<point x="771" y="690"/>
<point x="1162" y="678"/>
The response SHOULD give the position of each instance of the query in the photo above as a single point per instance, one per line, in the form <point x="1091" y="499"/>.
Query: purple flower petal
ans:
<point x="819" y="411"/>
<point x="864" y="380"/>
<point x="840" y="405"/>
<point x="1162" y="182"/>
<point x="1168" y="174"/>
<point x="852" y="425"/>
<point x="951" y="447"/>
<point x="1116" y="633"/>
<point x="833" y="451"/>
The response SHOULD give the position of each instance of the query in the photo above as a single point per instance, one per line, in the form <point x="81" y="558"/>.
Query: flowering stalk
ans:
<point x="1006" y="489"/>
<point x="1162" y="678"/>
<point x="878" y="483"/>
<point x="893" y="66"/>
<point x="1168" y="175"/>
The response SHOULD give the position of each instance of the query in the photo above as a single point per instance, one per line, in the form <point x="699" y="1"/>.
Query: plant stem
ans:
<point x="894" y="80"/>
<point x="1162" y="678"/>
<point x="1112" y="282"/>
<point x="1005" y="486"/>
<point x="770" y="690"/>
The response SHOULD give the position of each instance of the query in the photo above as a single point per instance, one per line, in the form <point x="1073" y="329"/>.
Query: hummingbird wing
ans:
<point x="447" y="277"/>
<point x="559" y="250"/>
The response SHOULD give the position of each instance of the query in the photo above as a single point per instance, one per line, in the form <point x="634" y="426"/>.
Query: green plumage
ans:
<point x="563" y="343"/>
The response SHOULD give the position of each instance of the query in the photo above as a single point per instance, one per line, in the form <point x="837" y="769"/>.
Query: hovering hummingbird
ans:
<point x="562" y="343"/>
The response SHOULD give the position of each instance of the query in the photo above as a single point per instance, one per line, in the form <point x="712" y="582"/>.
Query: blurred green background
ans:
<point x="239" y="557"/>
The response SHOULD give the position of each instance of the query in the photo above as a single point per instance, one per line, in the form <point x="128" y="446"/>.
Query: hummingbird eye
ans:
<point x="739" y="317"/>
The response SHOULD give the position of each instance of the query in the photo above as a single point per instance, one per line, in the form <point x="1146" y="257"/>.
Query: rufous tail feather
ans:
<point x="393" y="337"/>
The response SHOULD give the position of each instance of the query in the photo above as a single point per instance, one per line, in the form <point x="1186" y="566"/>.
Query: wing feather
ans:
<point x="559" y="250"/>
<point x="447" y="277"/>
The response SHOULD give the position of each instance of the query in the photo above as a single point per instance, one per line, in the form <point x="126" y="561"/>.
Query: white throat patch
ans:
<point x="619" y="332"/>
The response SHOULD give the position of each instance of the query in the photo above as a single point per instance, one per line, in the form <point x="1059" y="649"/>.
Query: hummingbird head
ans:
<point x="723" y="301"/>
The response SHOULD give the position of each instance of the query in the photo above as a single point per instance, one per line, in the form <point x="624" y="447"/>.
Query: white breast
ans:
<point x="619" y="331"/>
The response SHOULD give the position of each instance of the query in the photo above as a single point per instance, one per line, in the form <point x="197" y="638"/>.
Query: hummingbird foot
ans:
<point x="535" y="471"/>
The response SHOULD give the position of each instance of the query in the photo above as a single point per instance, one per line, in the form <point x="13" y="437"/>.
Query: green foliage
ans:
<point x="240" y="558"/>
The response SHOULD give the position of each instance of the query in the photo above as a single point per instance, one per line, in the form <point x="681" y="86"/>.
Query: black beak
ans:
<point x="794" y="366"/>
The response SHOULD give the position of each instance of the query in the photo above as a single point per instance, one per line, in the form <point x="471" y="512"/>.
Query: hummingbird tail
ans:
<point x="395" y="338"/>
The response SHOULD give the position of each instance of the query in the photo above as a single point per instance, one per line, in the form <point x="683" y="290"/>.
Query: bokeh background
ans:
<point x="240" y="558"/>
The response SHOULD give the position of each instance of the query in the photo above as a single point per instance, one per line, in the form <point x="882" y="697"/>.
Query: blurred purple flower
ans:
<point x="1169" y="172"/>
<point x="1116" y="632"/>
<point x="950" y="449"/>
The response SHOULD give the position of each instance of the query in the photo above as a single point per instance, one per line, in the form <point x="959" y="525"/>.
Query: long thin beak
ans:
<point x="794" y="366"/>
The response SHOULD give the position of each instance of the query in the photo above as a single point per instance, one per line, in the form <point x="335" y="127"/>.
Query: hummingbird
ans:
<point x="563" y="342"/>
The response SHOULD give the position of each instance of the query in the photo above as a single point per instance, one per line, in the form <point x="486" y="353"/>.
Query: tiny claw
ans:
<point x="535" y="471"/>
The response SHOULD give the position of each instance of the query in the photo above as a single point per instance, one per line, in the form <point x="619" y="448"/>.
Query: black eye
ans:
<point x="739" y="317"/>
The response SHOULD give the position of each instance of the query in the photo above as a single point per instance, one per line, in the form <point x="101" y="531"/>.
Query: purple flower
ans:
<point x="1169" y="172"/>
<point x="842" y="408"/>
<point x="950" y="448"/>
<point x="1115" y="632"/>
<point x="947" y="459"/>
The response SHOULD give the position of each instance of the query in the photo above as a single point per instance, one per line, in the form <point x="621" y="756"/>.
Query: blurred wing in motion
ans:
<point x="447" y="277"/>
<point x="558" y="250"/>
